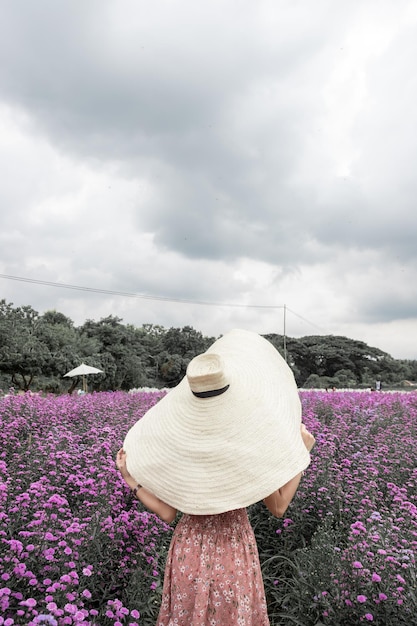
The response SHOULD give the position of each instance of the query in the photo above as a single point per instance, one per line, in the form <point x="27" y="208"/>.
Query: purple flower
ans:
<point x="65" y="578"/>
<point x="46" y="619"/>
<point x="5" y="591"/>
<point x="70" y="608"/>
<point x="49" y="536"/>
<point x="361" y="599"/>
<point x="79" y="616"/>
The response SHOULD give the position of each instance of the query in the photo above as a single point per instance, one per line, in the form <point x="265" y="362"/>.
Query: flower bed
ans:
<point x="77" y="549"/>
<point x="345" y="554"/>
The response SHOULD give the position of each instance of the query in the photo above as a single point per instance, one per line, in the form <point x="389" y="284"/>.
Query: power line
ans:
<point x="304" y="319"/>
<point x="126" y="294"/>
<point x="138" y="295"/>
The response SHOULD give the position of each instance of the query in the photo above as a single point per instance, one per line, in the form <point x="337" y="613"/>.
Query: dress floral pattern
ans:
<point x="213" y="575"/>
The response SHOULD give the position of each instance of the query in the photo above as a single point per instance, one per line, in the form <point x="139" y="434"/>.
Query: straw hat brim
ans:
<point x="210" y="455"/>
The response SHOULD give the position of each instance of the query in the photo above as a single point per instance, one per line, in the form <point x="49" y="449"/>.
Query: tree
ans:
<point x="186" y="342"/>
<point x="37" y="350"/>
<point x="345" y="378"/>
<point x="67" y="348"/>
<point x="22" y="353"/>
<point x="179" y="346"/>
<point x="326" y="355"/>
<point x="121" y="353"/>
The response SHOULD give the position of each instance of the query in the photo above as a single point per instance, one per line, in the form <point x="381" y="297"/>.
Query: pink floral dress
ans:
<point x="213" y="576"/>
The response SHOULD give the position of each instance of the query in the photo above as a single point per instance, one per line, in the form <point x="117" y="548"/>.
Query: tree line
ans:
<point x="36" y="351"/>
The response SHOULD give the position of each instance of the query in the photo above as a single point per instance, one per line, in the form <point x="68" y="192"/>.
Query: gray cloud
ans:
<point x="231" y="152"/>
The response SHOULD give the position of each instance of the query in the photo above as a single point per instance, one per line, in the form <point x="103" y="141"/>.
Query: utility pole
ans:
<point x="285" y="333"/>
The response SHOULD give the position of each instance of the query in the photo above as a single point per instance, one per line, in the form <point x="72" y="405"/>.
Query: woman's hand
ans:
<point x="121" y="464"/>
<point x="308" y="438"/>
<point x="279" y="501"/>
<point x="165" y="511"/>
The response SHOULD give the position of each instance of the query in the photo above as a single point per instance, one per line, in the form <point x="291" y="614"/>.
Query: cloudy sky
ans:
<point x="224" y="159"/>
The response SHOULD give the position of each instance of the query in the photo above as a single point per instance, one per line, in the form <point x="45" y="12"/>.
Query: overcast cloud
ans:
<point x="249" y="154"/>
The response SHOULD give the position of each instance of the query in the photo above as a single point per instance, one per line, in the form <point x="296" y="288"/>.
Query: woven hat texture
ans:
<point x="207" y="454"/>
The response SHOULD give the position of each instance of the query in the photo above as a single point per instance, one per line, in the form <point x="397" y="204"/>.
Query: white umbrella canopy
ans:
<point x="83" y="370"/>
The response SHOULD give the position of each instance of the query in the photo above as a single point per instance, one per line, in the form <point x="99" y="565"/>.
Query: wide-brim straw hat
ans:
<point x="227" y="436"/>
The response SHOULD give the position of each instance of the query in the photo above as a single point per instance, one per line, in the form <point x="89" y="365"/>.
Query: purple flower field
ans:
<point x="356" y="513"/>
<point x="72" y="537"/>
<point x="77" y="549"/>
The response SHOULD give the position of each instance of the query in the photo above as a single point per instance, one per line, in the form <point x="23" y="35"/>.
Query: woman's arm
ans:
<point x="166" y="512"/>
<point x="279" y="501"/>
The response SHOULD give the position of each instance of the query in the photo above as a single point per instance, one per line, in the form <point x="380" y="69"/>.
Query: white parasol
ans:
<point x="83" y="370"/>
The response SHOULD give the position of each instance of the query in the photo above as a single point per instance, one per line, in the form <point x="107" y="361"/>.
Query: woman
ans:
<point x="228" y="436"/>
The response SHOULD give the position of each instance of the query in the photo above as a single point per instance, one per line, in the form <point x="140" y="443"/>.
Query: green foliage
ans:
<point x="37" y="350"/>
